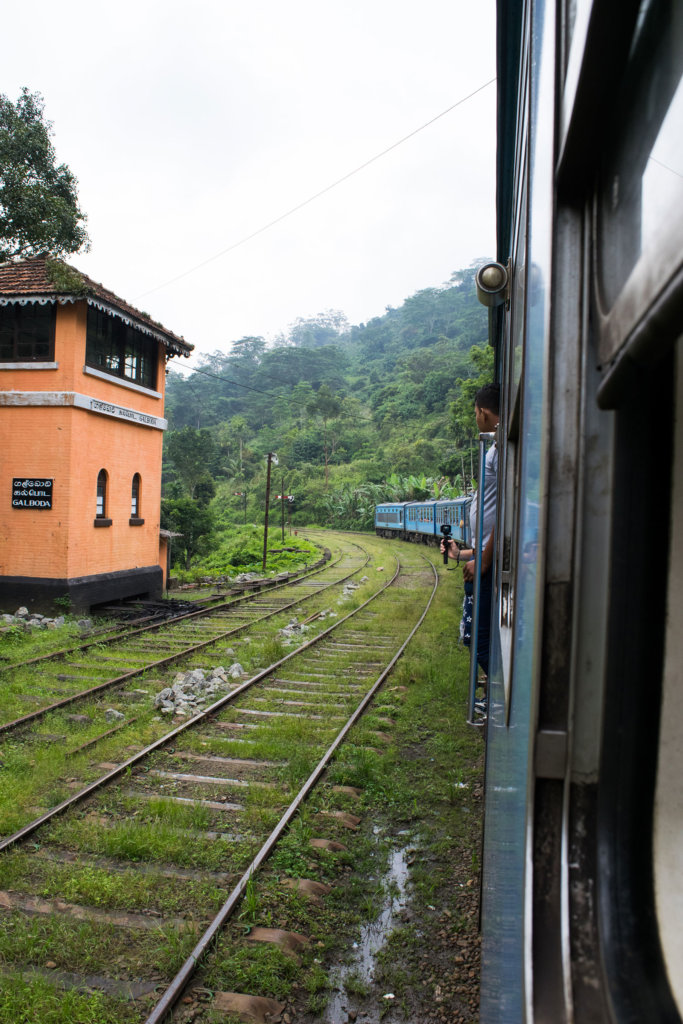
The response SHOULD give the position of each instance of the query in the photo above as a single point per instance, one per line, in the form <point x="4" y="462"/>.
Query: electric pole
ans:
<point x="271" y="458"/>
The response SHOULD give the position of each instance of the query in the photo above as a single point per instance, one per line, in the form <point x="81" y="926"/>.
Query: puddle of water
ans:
<point x="371" y="940"/>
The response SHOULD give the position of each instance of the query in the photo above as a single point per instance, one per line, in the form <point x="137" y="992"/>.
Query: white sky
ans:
<point x="190" y="126"/>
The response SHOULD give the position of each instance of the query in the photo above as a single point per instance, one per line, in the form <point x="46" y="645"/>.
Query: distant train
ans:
<point x="421" y="521"/>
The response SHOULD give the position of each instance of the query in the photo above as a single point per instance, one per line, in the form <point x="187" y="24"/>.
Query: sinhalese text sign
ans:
<point x="31" y="492"/>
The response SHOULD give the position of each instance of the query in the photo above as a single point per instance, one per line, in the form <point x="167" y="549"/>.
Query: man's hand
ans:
<point x="468" y="571"/>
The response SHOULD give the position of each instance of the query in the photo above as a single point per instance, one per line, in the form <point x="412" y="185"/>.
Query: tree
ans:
<point x="463" y="424"/>
<point x="191" y="520"/>
<point x="39" y="212"/>
<point x="315" y="331"/>
<point x="326" y="406"/>
<point x="192" y="453"/>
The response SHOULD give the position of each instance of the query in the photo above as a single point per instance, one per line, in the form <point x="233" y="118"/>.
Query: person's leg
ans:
<point x="467" y="611"/>
<point x="484" y="633"/>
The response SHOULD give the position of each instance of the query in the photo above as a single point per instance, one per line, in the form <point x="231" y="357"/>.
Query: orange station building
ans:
<point x="82" y="377"/>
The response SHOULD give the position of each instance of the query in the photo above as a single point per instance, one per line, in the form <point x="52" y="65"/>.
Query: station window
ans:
<point x="135" y="501"/>
<point x="101" y="511"/>
<point x="27" y="333"/>
<point x="135" y="497"/>
<point x="120" y="350"/>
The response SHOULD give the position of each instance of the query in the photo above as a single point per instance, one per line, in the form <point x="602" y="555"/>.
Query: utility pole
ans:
<point x="271" y="459"/>
<point x="282" y="503"/>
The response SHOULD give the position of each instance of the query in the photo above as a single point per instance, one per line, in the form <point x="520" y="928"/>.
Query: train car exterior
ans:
<point x="420" y="521"/>
<point x="456" y="513"/>
<point x="582" y="878"/>
<point x="389" y="518"/>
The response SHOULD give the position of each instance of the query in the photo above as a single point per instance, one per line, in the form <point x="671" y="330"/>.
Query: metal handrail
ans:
<point x="478" y="551"/>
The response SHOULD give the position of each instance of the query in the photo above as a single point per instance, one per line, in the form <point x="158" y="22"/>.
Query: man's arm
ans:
<point x="486" y="559"/>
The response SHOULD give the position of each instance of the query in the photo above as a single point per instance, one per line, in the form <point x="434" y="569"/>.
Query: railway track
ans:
<point x="127" y="888"/>
<point x="113" y="659"/>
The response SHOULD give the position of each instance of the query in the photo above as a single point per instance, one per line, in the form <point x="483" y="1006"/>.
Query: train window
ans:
<point x="639" y="202"/>
<point x="668" y="818"/>
<point x="27" y="333"/>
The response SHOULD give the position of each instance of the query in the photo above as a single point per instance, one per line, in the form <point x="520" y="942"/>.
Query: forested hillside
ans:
<point x="354" y="413"/>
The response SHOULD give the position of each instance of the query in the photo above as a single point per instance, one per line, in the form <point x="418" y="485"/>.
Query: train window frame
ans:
<point x="655" y="269"/>
<point x="38" y="343"/>
<point x="514" y="326"/>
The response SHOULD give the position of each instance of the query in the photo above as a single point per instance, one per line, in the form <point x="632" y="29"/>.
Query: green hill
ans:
<point x="354" y="413"/>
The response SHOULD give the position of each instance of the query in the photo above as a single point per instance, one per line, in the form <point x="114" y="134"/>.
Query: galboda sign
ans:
<point x="30" y="493"/>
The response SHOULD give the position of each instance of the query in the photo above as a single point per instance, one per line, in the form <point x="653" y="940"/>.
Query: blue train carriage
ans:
<point x="455" y="512"/>
<point x="420" y="521"/>
<point x="389" y="519"/>
<point x="582" y="868"/>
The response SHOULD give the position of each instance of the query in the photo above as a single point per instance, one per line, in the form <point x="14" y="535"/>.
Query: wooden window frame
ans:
<point x="15" y="312"/>
<point x="121" y="350"/>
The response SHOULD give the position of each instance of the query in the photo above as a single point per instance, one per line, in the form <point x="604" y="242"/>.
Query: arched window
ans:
<point x="135" y="498"/>
<point x="101" y="512"/>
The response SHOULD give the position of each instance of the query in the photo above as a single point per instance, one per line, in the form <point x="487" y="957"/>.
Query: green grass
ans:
<point x="154" y="842"/>
<point x="259" y="968"/>
<point x="34" y="1000"/>
<point x="87" y="947"/>
<point x="103" y="886"/>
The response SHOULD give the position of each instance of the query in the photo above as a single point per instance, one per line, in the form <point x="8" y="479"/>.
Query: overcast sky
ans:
<point x="191" y="126"/>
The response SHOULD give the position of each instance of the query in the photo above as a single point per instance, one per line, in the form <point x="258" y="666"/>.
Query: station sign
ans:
<point x="31" y="492"/>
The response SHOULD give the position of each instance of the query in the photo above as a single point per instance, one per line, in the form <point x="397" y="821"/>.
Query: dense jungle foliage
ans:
<point x="356" y="415"/>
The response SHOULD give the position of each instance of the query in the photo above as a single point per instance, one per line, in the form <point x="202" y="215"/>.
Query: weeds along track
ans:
<point x="53" y="681"/>
<point x="111" y="901"/>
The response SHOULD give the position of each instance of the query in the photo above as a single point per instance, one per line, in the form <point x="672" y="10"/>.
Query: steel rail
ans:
<point x="177" y="985"/>
<point x="104" y="780"/>
<point x="34" y="716"/>
<point x="159" y="624"/>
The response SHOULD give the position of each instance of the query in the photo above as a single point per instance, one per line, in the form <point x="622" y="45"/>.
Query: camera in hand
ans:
<point x="446" y="531"/>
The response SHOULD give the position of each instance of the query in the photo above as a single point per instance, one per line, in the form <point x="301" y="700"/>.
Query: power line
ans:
<point x="260" y="391"/>
<point x="227" y="380"/>
<point x="666" y="167"/>
<point x="317" y="195"/>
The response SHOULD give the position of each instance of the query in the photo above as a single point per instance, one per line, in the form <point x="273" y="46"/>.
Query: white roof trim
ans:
<point x="128" y="318"/>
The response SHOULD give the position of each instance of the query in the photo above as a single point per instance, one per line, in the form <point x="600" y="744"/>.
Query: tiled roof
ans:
<point x="31" y="277"/>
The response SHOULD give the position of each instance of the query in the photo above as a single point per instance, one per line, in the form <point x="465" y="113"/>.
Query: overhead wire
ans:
<point x="249" y="387"/>
<point x="317" y="195"/>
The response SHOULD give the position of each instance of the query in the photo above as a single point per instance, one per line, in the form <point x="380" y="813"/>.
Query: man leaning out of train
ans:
<point x="487" y="414"/>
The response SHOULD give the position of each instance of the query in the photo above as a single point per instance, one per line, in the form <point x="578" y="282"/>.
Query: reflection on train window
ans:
<point x="640" y="196"/>
<point x="517" y="300"/>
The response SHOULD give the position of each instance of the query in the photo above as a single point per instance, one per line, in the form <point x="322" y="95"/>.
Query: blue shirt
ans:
<point x="490" y="495"/>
